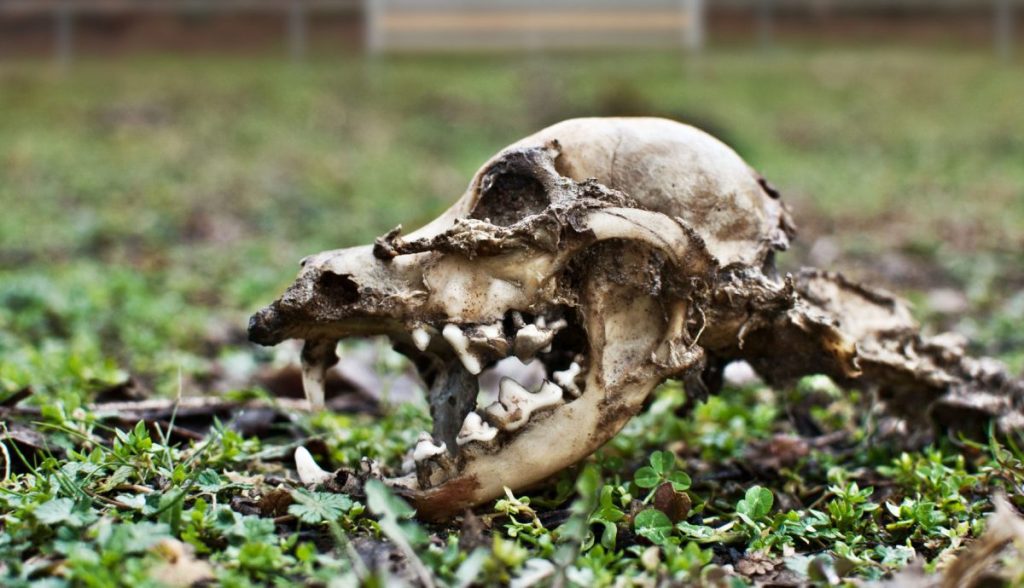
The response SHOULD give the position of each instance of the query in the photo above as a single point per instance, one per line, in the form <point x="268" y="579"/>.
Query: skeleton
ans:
<point x="618" y="253"/>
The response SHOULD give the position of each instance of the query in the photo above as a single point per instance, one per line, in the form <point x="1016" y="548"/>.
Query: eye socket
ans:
<point x="340" y="287"/>
<point x="509" y="198"/>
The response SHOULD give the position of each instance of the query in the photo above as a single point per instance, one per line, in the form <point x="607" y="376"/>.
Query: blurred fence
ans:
<point x="532" y="24"/>
<point x="402" y="25"/>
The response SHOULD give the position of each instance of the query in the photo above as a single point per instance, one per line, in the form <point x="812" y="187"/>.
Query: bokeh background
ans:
<point x="164" y="164"/>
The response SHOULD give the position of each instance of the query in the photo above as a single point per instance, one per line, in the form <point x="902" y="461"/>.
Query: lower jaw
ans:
<point x="550" y="443"/>
<point x="526" y="448"/>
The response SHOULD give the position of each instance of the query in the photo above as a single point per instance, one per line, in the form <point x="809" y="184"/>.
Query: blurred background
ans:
<point x="164" y="164"/>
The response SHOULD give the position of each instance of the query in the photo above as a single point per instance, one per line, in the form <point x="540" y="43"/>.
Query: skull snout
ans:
<point x="265" y="327"/>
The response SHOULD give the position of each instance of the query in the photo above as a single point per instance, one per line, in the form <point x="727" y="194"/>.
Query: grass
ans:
<point x="151" y="204"/>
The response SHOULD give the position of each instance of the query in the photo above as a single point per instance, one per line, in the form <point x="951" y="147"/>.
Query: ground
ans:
<point x="151" y="204"/>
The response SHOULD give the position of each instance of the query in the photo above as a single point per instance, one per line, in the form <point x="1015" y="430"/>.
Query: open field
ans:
<point x="148" y="206"/>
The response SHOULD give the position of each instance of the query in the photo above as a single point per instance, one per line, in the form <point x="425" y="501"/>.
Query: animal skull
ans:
<point x="618" y="253"/>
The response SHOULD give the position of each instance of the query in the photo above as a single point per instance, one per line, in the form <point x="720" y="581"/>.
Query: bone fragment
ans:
<point x="475" y="429"/>
<point x="420" y="338"/>
<point x="309" y="472"/>
<point x="460" y="343"/>
<point x="516" y="404"/>
<point x="567" y="379"/>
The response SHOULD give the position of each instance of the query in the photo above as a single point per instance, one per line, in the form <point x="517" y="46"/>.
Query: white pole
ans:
<point x="297" y="29"/>
<point x="63" y="34"/>
<point x="1003" y="28"/>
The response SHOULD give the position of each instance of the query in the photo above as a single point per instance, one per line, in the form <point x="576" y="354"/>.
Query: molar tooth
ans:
<point x="529" y="340"/>
<point x="420" y="338"/>
<point x="492" y="331"/>
<point x="567" y="379"/>
<point x="475" y="429"/>
<point x="460" y="343"/>
<point x="426" y="448"/>
<point x="516" y="404"/>
<point x="309" y="471"/>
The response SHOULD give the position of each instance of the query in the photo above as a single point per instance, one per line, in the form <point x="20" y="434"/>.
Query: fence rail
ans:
<point x="400" y="25"/>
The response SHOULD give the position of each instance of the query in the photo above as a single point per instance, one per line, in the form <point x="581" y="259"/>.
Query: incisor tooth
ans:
<point x="475" y="429"/>
<point x="420" y="338"/>
<point x="309" y="471"/>
<point x="460" y="343"/>
<point x="427" y="448"/>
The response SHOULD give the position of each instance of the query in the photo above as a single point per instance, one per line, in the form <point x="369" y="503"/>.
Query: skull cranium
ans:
<point x="618" y="253"/>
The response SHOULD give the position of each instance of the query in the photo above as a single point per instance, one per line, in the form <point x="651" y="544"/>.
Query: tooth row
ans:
<point x="516" y="404"/>
<point x="475" y="429"/>
<point x="567" y="379"/>
<point x="427" y="448"/>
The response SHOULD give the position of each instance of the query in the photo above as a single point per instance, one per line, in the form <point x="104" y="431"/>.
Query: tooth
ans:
<point x="529" y="340"/>
<point x="567" y="379"/>
<point x="475" y="429"/>
<point x="420" y="338"/>
<point x="517" y="319"/>
<point x="309" y="471"/>
<point x="516" y="404"/>
<point x="318" y="355"/>
<point x="460" y="343"/>
<point x="313" y="373"/>
<point x="427" y="448"/>
<point x="493" y="331"/>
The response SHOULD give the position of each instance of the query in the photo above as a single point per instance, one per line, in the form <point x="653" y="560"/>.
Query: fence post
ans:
<point x="297" y="29"/>
<point x="63" y="34"/>
<point x="374" y="10"/>
<point x="766" y="23"/>
<point x="693" y="35"/>
<point x="1003" y="29"/>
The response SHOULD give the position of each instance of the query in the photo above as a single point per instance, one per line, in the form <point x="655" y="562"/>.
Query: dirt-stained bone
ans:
<point x="618" y="253"/>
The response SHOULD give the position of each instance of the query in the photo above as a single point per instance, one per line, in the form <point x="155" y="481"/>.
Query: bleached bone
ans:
<point x="654" y="244"/>
<point x="310" y="473"/>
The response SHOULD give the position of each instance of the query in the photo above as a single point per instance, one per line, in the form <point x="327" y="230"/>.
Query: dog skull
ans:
<point x="618" y="253"/>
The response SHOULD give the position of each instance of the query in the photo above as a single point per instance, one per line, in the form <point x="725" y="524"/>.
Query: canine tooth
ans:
<point x="420" y="338"/>
<point x="313" y="374"/>
<point x="317" y="356"/>
<point x="309" y="471"/>
<point x="567" y="379"/>
<point x="460" y="343"/>
<point x="427" y="448"/>
<point x="475" y="429"/>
